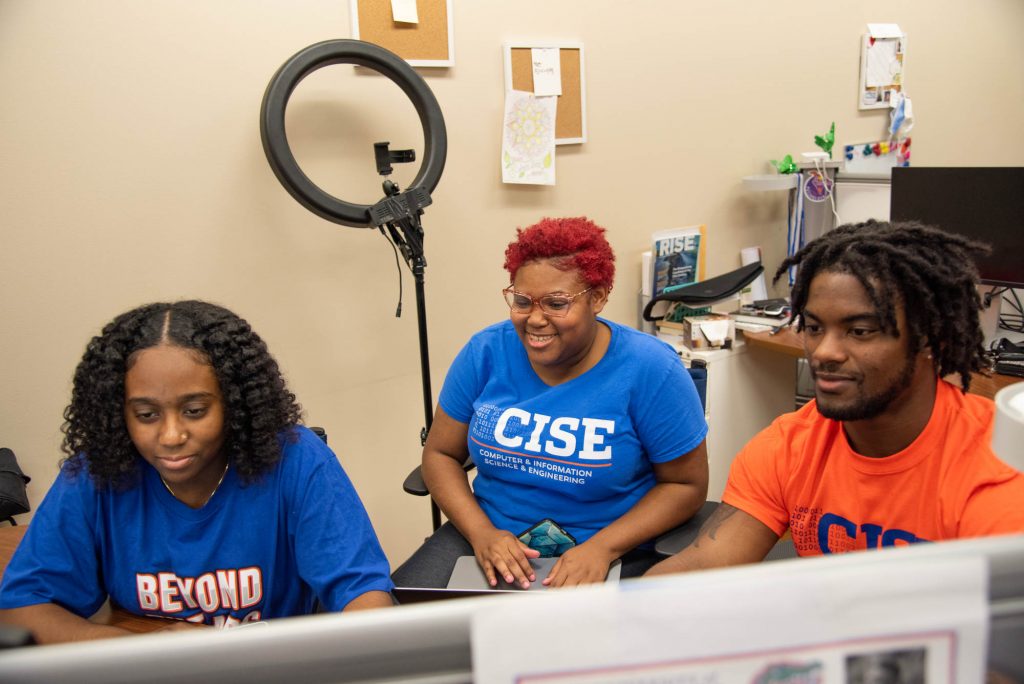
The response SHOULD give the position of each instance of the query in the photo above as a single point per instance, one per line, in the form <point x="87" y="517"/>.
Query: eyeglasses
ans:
<point x="554" y="305"/>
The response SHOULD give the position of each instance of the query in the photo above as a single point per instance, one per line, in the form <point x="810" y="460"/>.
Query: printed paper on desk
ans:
<point x="715" y="332"/>
<point x="547" y="71"/>
<point x="810" y="617"/>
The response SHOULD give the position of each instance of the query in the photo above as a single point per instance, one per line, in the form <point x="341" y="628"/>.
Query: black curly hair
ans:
<point x="258" y="407"/>
<point x="931" y="272"/>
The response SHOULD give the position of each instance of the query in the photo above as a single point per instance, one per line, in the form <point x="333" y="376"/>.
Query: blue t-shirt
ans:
<point x="580" y="452"/>
<point x="263" y="550"/>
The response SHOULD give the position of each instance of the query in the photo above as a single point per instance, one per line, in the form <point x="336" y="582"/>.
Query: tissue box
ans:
<point x="712" y="331"/>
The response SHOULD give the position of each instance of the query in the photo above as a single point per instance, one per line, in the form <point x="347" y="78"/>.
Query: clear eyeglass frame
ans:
<point x="554" y="305"/>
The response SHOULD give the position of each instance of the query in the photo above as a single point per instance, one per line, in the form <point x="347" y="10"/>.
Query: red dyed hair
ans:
<point x="573" y="243"/>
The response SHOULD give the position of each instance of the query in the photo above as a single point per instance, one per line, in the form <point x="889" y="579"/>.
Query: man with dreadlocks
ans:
<point x="888" y="453"/>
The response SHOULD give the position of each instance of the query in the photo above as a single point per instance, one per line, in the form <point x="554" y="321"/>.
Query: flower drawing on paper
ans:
<point x="528" y="129"/>
<point x="528" y="139"/>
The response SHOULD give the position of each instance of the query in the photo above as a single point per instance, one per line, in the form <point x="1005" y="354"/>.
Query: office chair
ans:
<point x="414" y="482"/>
<point x="13" y="497"/>
<point x="677" y="539"/>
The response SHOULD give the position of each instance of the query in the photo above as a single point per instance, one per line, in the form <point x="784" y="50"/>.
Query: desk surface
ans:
<point x="10" y="537"/>
<point x="788" y="341"/>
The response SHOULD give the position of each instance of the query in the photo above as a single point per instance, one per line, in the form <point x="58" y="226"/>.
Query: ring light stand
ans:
<point x="398" y="211"/>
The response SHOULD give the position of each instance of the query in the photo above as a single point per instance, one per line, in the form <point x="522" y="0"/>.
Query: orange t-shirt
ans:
<point x="801" y="473"/>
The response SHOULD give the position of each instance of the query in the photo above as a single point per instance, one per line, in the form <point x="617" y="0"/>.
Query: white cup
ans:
<point x="1008" y="430"/>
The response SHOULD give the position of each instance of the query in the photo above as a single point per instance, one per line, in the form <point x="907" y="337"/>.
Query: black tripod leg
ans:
<point x="428" y="406"/>
<point x="421" y="318"/>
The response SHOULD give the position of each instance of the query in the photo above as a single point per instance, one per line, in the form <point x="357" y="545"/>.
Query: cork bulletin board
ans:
<point x="429" y="43"/>
<point x="570" y="113"/>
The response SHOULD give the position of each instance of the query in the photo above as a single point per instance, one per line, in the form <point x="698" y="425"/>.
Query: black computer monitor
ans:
<point x="983" y="203"/>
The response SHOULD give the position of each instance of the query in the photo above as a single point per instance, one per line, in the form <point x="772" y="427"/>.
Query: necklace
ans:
<point x="207" y="499"/>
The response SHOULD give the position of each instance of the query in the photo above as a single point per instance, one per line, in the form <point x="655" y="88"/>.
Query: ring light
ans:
<point x="275" y="141"/>
<point x="399" y="212"/>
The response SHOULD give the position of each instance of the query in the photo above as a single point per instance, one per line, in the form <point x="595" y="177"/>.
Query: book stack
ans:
<point x="670" y="331"/>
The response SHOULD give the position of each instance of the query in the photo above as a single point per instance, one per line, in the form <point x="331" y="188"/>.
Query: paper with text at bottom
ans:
<point x="736" y="625"/>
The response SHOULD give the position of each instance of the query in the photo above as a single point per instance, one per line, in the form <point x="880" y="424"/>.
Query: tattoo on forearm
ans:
<point x="710" y="528"/>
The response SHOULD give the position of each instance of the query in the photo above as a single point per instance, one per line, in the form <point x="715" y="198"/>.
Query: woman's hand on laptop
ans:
<point x="587" y="563"/>
<point x="499" y="553"/>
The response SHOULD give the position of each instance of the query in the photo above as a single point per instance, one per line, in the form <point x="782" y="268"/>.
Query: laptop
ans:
<point x="468" y="580"/>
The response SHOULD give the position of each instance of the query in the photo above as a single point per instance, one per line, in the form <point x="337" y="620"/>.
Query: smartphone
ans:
<point x="549" y="538"/>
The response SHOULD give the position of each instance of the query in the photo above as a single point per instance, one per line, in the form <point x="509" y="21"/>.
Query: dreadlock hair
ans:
<point x="258" y="407"/>
<point x="931" y="272"/>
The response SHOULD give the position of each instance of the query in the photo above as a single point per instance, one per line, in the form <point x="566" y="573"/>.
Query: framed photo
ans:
<point x="571" y="109"/>
<point x="429" y="42"/>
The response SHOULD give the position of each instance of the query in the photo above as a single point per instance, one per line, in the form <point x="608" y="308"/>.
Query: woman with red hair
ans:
<point x="589" y="436"/>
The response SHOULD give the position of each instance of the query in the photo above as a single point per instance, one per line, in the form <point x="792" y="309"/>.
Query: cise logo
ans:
<point x="837" y="529"/>
<point x="555" y="436"/>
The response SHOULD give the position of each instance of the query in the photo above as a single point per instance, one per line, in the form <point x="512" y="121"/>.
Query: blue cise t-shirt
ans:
<point x="580" y="452"/>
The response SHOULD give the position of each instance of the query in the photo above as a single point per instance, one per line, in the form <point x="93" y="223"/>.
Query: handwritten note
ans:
<point x="547" y="71"/>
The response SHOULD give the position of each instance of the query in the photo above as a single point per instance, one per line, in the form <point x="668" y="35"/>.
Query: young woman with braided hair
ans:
<point x="189" y="490"/>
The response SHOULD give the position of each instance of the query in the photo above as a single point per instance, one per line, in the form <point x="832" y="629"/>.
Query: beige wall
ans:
<point x="131" y="170"/>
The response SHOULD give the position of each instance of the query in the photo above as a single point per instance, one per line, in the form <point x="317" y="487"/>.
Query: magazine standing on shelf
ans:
<point x="678" y="256"/>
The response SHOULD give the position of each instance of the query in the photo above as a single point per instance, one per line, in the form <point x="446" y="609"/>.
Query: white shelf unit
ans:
<point x="747" y="389"/>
